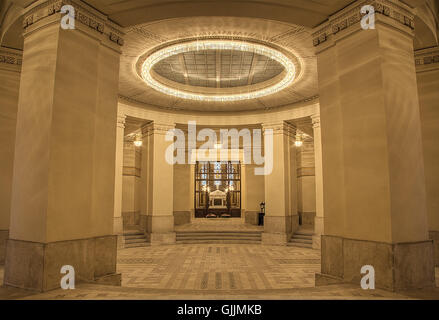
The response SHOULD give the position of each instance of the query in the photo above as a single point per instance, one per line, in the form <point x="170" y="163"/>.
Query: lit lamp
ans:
<point x="138" y="141"/>
<point x="298" y="142"/>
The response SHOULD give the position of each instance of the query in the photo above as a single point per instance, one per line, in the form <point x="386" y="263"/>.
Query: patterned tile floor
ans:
<point x="217" y="272"/>
<point x="218" y="267"/>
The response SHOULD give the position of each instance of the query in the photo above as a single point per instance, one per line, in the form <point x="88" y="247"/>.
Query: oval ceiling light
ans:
<point x="202" y="45"/>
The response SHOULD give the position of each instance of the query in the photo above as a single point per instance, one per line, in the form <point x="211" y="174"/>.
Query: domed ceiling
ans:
<point x="251" y="77"/>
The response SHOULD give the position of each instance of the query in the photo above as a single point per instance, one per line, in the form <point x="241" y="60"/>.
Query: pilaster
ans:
<point x="373" y="170"/>
<point x="278" y="206"/>
<point x="10" y="68"/>
<point x="65" y="148"/>
<point x="157" y="176"/>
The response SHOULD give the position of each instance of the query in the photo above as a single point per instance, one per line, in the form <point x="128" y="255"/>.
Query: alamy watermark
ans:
<point x="68" y="281"/>
<point x="368" y="20"/>
<point x="211" y="150"/>
<point x="68" y="21"/>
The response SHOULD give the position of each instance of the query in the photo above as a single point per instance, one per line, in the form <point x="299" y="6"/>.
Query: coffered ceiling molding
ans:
<point x="292" y="41"/>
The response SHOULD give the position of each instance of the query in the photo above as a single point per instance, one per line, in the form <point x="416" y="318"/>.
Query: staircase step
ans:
<point x="216" y="235"/>
<point x="219" y="232"/>
<point x="304" y="232"/>
<point x="138" y="244"/>
<point x="238" y="241"/>
<point x="135" y="240"/>
<point x="300" y="240"/>
<point x="300" y="236"/>
<point x="131" y="237"/>
<point x="133" y="233"/>
<point x="298" y="244"/>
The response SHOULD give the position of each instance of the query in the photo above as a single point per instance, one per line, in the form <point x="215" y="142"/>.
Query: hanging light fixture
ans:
<point x="200" y="45"/>
<point x="138" y="141"/>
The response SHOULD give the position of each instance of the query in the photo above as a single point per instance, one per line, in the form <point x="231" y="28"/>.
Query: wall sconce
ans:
<point x="138" y="141"/>
<point x="299" y="142"/>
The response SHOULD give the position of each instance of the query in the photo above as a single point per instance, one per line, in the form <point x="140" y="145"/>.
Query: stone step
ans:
<point x="217" y="235"/>
<point x="135" y="245"/>
<point x="137" y="236"/>
<point x="298" y="244"/>
<point x="300" y="236"/>
<point x="304" y="232"/>
<point x="135" y="240"/>
<point x="227" y="234"/>
<point x="229" y="241"/>
<point x="295" y="240"/>
<point x="132" y="233"/>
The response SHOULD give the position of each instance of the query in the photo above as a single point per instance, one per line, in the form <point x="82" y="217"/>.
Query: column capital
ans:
<point x="43" y="13"/>
<point x="427" y="59"/>
<point x="315" y="119"/>
<point x="157" y="128"/>
<point x="121" y="118"/>
<point x="348" y="20"/>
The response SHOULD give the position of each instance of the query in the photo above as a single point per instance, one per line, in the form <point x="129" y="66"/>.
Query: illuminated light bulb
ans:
<point x="218" y="145"/>
<point x="138" y="141"/>
<point x="298" y="143"/>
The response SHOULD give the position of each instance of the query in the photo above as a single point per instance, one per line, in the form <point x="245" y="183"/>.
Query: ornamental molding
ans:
<point x="153" y="128"/>
<point x="84" y="14"/>
<point x="11" y="57"/>
<point x="427" y="59"/>
<point x="121" y="119"/>
<point x="390" y="12"/>
<point x="279" y="127"/>
<point x="315" y="119"/>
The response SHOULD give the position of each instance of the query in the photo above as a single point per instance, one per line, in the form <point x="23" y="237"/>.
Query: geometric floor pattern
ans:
<point x="217" y="272"/>
<point x="218" y="267"/>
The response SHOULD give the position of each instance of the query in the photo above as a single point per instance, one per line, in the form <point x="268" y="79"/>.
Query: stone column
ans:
<point x="277" y="221"/>
<point x="10" y="68"/>
<point x="118" y="222"/>
<point x="319" y="218"/>
<point x="373" y="169"/>
<point x="158" y="182"/>
<point x="63" y="183"/>
<point x="427" y="72"/>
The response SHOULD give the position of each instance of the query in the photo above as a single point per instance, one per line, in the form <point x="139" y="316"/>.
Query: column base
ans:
<point x="4" y="235"/>
<point x="277" y="230"/>
<point x="157" y="239"/>
<point x="434" y="235"/>
<point x="397" y="267"/>
<point x="36" y="266"/>
<point x="160" y="229"/>
<point x="118" y="231"/>
<point x="251" y="217"/>
<point x="316" y="241"/>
